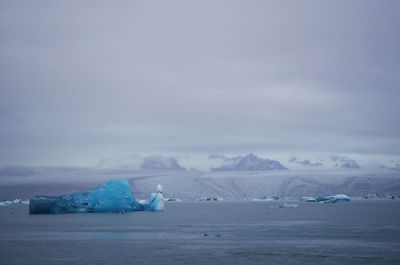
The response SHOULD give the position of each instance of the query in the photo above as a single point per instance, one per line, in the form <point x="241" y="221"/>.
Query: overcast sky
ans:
<point x="83" y="80"/>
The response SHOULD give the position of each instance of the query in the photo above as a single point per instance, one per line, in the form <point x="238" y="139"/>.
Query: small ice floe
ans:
<point x="327" y="199"/>
<point x="308" y="199"/>
<point x="340" y="198"/>
<point x="375" y="196"/>
<point x="266" y="199"/>
<point x="211" y="235"/>
<point x="289" y="205"/>
<point x="172" y="199"/>
<point x="261" y="200"/>
<point x="208" y="199"/>
<point x="334" y="198"/>
<point x="5" y="203"/>
<point x="15" y="201"/>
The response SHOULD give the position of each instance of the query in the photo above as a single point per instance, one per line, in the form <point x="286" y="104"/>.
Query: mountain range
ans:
<point x="137" y="163"/>
<point x="235" y="177"/>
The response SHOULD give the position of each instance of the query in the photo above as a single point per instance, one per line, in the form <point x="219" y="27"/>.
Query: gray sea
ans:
<point x="359" y="232"/>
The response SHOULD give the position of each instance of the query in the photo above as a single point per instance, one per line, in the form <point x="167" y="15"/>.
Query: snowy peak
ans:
<point x="16" y="171"/>
<point x="129" y="162"/>
<point x="344" y="162"/>
<point x="328" y="162"/>
<point x="305" y="162"/>
<point x="392" y="167"/>
<point x="249" y="162"/>
<point x="160" y="163"/>
<point x="136" y="162"/>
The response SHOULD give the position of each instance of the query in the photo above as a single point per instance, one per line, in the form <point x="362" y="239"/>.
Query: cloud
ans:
<point x="80" y="81"/>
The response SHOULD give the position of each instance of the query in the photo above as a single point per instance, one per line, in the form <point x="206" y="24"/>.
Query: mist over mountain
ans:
<point x="160" y="163"/>
<point x="17" y="171"/>
<point x="215" y="175"/>
<point x="344" y="162"/>
<point x="305" y="162"/>
<point x="137" y="163"/>
<point x="229" y="185"/>
<point x="248" y="162"/>
<point x="332" y="161"/>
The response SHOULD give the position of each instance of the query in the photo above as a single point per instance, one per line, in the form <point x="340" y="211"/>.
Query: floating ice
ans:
<point x="156" y="202"/>
<point x="327" y="199"/>
<point x="340" y="198"/>
<point x="5" y="203"/>
<point x="15" y="201"/>
<point x="113" y="196"/>
<point x="172" y="199"/>
<point x="308" y="199"/>
<point x="333" y="198"/>
<point x="289" y="205"/>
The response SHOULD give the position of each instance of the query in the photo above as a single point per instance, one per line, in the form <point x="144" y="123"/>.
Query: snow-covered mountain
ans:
<point x="160" y="163"/>
<point x="236" y="177"/>
<point x="344" y="162"/>
<point x="16" y="171"/>
<point x="391" y="167"/>
<point x="305" y="162"/>
<point x="248" y="162"/>
<point x="138" y="163"/>
<point x="329" y="162"/>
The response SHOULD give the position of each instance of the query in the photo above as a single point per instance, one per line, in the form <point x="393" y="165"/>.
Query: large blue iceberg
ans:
<point x="113" y="196"/>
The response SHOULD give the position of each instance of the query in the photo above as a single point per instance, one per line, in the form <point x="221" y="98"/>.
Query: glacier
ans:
<point x="113" y="196"/>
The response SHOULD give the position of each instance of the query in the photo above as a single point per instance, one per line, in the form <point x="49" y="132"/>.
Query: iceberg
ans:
<point x="308" y="199"/>
<point x="15" y="201"/>
<point x="333" y="198"/>
<point x="113" y="196"/>
<point x="289" y="205"/>
<point x="340" y="198"/>
<point x="327" y="199"/>
<point x="5" y="203"/>
<point x="156" y="202"/>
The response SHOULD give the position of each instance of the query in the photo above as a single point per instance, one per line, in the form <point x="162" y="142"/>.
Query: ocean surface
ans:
<point x="359" y="232"/>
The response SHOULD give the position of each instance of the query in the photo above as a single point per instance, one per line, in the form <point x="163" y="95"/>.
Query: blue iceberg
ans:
<point x="327" y="199"/>
<point x="113" y="196"/>
<point x="333" y="198"/>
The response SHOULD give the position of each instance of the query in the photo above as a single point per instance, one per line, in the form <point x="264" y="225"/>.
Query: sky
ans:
<point x="84" y="80"/>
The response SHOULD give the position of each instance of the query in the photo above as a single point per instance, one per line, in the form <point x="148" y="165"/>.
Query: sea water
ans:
<point x="359" y="232"/>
